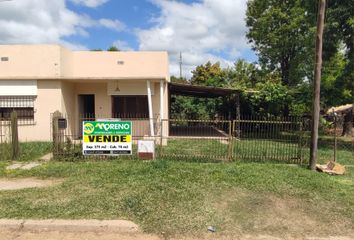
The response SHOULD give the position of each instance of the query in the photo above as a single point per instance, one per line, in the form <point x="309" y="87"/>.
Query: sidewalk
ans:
<point x="70" y="230"/>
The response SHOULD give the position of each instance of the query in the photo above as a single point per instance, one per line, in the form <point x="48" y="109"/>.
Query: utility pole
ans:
<point x="180" y="65"/>
<point x="317" y="85"/>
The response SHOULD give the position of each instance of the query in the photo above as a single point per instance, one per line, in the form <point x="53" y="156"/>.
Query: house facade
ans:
<point x="37" y="80"/>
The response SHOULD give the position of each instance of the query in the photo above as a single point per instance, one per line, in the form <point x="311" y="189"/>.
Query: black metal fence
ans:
<point x="333" y="145"/>
<point x="249" y="138"/>
<point x="277" y="139"/>
<point x="14" y="111"/>
<point x="5" y="139"/>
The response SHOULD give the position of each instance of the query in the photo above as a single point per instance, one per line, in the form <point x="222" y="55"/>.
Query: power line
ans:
<point x="180" y="65"/>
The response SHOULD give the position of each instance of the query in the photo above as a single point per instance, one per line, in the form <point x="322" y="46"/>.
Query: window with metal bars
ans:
<point x="22" y="105"/>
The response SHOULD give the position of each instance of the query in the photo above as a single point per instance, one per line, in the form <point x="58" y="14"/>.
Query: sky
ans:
<point x="202" y="30"/>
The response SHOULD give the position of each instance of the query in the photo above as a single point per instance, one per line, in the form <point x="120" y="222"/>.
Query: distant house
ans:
<point x="37" y="80"/>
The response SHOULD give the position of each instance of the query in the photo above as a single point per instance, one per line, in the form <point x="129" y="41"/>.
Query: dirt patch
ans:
<point x="23" y="166"/>
<point x="20" y="183"/>
<point x="282" y="218"/>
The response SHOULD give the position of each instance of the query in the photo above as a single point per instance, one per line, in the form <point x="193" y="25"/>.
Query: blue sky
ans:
<point x="203" y="30"/>
<point x="133" y="13"/>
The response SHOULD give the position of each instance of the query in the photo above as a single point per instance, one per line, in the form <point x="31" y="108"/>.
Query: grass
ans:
<point x="29" y="151"/>
<point x="172" y="198"/>
<point x="195" y="148"/>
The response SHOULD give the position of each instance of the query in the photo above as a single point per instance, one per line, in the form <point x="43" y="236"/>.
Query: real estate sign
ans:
<point x="107" y="138"/>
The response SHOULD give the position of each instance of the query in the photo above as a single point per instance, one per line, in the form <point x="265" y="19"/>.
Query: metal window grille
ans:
<point x="22" y="105"/>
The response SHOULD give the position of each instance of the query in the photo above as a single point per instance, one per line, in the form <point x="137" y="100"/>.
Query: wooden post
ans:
<point x="335" y="138"/>
<point x="57" y="139"/>
<point x="14" y="136"/>
<point x="317" y="85"/>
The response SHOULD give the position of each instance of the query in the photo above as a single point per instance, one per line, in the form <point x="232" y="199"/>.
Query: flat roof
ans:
<point x="56" y="62"/>
<point x="200" y="91"/>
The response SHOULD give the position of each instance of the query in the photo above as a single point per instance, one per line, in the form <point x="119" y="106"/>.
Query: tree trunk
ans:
<point x="348" y="124"/>
<point x="285" y="69"/>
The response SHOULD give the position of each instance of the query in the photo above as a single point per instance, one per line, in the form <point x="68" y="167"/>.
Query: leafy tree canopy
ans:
<point x="281" y="36"/>
<point x="208" y="75"/>
<point x="113" y="49"/>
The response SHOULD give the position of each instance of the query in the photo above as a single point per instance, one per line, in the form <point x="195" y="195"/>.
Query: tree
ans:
<point x="208" y="75"/>
<point x="331" y="85"/>
<point x="338" y="48"/>
<point x="270" y="99"/>
<point x="242" y="75"/>
<point x="113" y="49"/>
<point x="338" y="32"/>
<point x="281" y="36"/>
<point x="348" y="124"/>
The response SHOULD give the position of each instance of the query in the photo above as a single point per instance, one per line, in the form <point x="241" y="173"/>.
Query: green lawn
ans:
<point x="29" y="151"/>
<point x="171" y="197"/>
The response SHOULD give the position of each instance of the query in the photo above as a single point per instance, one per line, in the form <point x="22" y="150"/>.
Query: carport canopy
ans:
<point x="206" y="92"/>
<point x="200" y="91"/>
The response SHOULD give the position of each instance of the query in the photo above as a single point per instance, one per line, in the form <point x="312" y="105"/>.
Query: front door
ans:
<point x="86" y="109"/>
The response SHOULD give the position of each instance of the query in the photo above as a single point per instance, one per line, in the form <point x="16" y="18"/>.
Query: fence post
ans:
<point x="302" y="141"/>
<point x="335" y="139"/>
<point x="161" y="138"/>
<point x="230" y="150"/>
<point x="57" y="144"/>
<point x="236" y="134"/>
<point x="14" y="136"/>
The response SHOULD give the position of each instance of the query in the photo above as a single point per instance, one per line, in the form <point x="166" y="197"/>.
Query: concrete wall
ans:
<point x="30" y="61"/>
<point x="48" y="101"/>
<point x="136" y="65"/>
<point x="57" y="62"/>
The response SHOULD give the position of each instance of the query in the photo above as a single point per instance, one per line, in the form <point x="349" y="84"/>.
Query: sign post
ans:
<point x="107" y="138"/>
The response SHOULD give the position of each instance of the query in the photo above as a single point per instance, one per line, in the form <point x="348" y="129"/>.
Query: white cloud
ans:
<point x="112" y="24"/>
<point x="207" y="30"/>
<point x="122" y="45"/>
<point x="90" y="3"/>
<point x="43" y="21"/>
